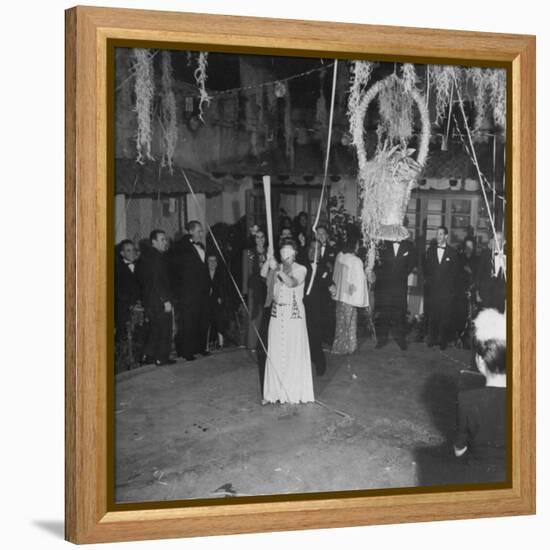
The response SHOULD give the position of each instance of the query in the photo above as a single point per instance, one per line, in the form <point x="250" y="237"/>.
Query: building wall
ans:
<point x="144" y="214"/>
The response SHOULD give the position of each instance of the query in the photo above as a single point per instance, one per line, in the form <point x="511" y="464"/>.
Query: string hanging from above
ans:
<point x="327" y="151"/>
<point x="480" y="175"/>
<point x="321" y="112"/>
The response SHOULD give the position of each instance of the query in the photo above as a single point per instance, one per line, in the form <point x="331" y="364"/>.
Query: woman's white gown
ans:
<point x="288" y="376"/>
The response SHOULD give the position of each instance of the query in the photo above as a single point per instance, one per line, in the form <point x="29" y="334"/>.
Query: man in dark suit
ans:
<point x="154" y="278"/>
<point x="317" y="290"/>
<point x="127" y="287"/>
<point x="396" y="261"/>
<point x="491" y="275"/>
<point x="193" y="289"/>
<point x="327" y="257"/>
<point x="441" y="285"/>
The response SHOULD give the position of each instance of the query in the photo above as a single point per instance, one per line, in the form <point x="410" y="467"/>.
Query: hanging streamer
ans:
<point x="480" y="175"/>
<point x="329" y="137"/>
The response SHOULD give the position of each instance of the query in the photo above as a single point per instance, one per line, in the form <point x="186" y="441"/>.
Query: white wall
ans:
<point x="32" y="315"/>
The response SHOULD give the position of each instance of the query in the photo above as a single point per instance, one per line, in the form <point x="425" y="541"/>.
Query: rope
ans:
<point x="270" y="82"/>
<point x="476" y="164"/>
<point x="329" y="136"/>
<point x="467" y="149"/>
<point x="213" y="93"/>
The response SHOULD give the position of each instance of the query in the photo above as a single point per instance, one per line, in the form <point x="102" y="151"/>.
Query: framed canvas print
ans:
<point x="300" y="274"/>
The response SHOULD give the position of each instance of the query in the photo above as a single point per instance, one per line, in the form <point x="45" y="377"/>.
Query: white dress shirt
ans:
<point x="131" y="265"/>
<point x="200" y="250"/>
<point x="440" y="252"/>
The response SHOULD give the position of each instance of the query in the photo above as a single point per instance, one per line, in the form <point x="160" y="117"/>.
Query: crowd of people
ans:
<point x="185" y="295"/>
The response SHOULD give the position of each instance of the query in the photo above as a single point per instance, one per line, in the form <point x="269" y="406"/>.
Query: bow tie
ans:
<point x="128" y="263"/>
<point x="441" y="246"/>
<point x="199" y="244"/>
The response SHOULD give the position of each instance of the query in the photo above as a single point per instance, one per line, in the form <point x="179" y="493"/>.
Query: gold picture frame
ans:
<point x="90" y="34"/>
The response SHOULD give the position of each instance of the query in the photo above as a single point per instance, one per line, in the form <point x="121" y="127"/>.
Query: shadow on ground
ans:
<point x="198" y="430"/>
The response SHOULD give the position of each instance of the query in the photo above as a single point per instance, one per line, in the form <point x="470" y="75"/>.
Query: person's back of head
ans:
<point x="490" y="342"/>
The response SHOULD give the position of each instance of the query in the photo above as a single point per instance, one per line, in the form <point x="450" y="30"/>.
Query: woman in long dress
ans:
<point x="351" y="293"/>
<point x="288" y="376"/>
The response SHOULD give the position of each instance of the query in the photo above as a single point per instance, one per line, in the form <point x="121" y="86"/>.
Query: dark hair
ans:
<point x="471" y="239"/>
<point x="153" y="236"/>
<point x="288" y="242"/>
<point x="191" y="225"/>
<point x="445" y="230"/>
<point x="493" y="353"/>
<point x="283" y="220"/>
<point x="353" y="237"/>
<point x="123" y="243"/>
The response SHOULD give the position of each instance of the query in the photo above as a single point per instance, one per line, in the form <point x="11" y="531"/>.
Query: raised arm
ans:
<point x="296" y="278"/>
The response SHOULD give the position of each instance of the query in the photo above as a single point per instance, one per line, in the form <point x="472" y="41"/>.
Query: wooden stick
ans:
<point x="269" y="220"/>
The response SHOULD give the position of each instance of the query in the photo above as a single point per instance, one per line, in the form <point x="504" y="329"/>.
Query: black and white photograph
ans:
<point x="309" y="276"/>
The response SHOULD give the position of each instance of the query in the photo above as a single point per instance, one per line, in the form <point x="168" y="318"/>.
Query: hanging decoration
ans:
<point x="442" y="79"/>
<point x="487" y="88"/>
<point x="168" y="112"/>
<point x="497" y="87"/>
<point x="279" y="89"/>
<point x="144" y="90"/>
<point x="396" y="109"/>
<point x="360" y="75"/>
<point x="200" y="78"/>
<point x="387" y="179"/>
<point x="490" y="95"/>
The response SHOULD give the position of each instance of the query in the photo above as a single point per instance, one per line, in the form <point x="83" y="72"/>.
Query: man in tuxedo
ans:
<point x="396" y="261"/>
<point x="491" y="276"/>
<point x="441" y="285"/>
<point x="127" y="287"/>
<point x="154" y="278"/>
<point x="193" y="289"/>
<point x="317" y="290"/>
<point x="326" y="259"/>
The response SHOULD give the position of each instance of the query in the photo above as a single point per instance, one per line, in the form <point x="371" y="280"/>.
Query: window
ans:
<point x="461" y="219"/>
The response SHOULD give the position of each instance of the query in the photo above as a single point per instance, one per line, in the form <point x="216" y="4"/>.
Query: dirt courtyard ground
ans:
<point x="384" y="419"/>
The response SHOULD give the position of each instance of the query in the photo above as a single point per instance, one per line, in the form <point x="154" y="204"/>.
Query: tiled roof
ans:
<point x="132" y="178"/>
